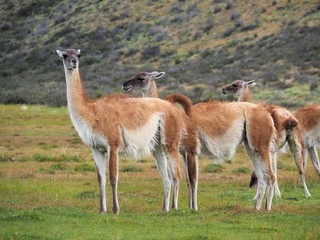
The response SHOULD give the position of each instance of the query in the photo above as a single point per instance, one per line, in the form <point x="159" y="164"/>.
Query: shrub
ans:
<point x="64" y="158"/>
<point x="228" y="32"/>
<point x="76" y="140"/>
<point x="181" y="18"/>
<point x="229" y="6"/>
<point x="150" y="52"/>
<point x="161" y="36"/>
<point x="43" y="158"/>
<point x="52" y="169"/>
<point x="234" y="15"/>
<point x="242" y="170"/>
<point x="24" y="159"/>
<point x="249" y="27"/>
<point x="213" y="168"/>
<point x="312" y="10"/>
<point x="59" y="166"/>
<point x="285" y="167"/>
<point x="131" y="169"/>
<point x="85" y="168"/>
<point x="239" y="23"/>
<point x="313" y="86"/>
<point x="192" y="8"/>
<point x="73" y="158"/>
<point x="175" y="8"/>
<point x="5" y="159"/>
<point x="217" y="10"/>
<point x="87" y="194"/>
<point x="208" y="25"/>
<point x="197" y="34"/>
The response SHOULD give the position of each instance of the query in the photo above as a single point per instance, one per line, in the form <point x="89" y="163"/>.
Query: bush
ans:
<point x="5" y="159"/>
<point x="239" y="23"/>
<point x="87" y="194"/>
<point x="208" y="25"/>
<point x="249" y="27"/>
<point x="213" y="168"/>
<point x="131" y="169"/>
<point x="74" y="158"/>
<point x="228" y="32"/>
<point x="242" y="170"/>
<point x="217" y="10"/>
<point x="85" y="168"/>
<point x="175" y="8"/>
<point x="285" y="167"/>
<point x="54" y="167"/>
<point x="234" y="15"/>
<point x="150" y="52"/>
<point x="229" y="6"/>
<point x="43" y="158"/>
<point x="63" y="158"/>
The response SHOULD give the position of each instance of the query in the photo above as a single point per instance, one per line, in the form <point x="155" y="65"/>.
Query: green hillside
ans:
<point x="201" y="45"/>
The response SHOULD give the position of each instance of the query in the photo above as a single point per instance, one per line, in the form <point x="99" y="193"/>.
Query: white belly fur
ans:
<point x="312" y="137"/>
<point x="142" y="141"/>
<point x="136" y="143"/>
<point x="222" y="147"/>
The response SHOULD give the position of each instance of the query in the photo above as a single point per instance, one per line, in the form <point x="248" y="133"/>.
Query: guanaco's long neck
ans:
<point x="76" y="96"/>
<point x="245" y="95"/>
<point x="151" y="91"/>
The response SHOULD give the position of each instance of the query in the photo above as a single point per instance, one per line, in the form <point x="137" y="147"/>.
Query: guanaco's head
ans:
<point x="70" y="58"/>
<point x="141" y="81"/>
<point x="237" y="86"/>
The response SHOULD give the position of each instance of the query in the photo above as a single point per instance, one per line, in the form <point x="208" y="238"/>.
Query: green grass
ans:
<point x="131" y="169"/>
<point x="53" y="200"/>
<point x="71" y="223"/>
<point x="85" y="168"/>
<point x="241" y="170"/>
<point x="213" y="168"/>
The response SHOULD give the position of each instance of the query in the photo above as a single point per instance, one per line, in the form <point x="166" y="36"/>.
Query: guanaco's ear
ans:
<point x="250" y="83"/>
<point x="78" y="51"/>
<point x="156" y="75"/>
<point x="60" y="53"/>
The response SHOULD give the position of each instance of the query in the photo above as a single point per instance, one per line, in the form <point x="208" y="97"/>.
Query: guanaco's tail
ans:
<point x="183" y="100"/>
<point x="282" y="117"/>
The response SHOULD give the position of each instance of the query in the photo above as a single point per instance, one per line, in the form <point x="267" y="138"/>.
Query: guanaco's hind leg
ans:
<point x="258" y="175"/>
<point x="314" y="157"/>
<point x="185" y="167"/>
<point x="163" y="171"/>
<point x="274" y="167"/>
<point x="100" y="163"/>
<point x="300" y="157"/>
<point x="260" y="133"/>
<point x="193" y="172"/>
<point x="265" y="176"/>
<point x="174" y="175"/>
<point x="190" y="158"/>
<point x="271" y="179"/>
<point x="113" y="176"/>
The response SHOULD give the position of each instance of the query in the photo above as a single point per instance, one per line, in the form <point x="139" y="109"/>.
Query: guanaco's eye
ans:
<point x="234" y="85"/>
<point x="141" y="79"/>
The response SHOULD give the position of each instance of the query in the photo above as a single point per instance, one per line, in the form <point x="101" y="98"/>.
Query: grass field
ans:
<point x="49" y="190"/>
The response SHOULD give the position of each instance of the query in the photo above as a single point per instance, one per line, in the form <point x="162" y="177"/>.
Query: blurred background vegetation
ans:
<point x="201" y="45"/>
